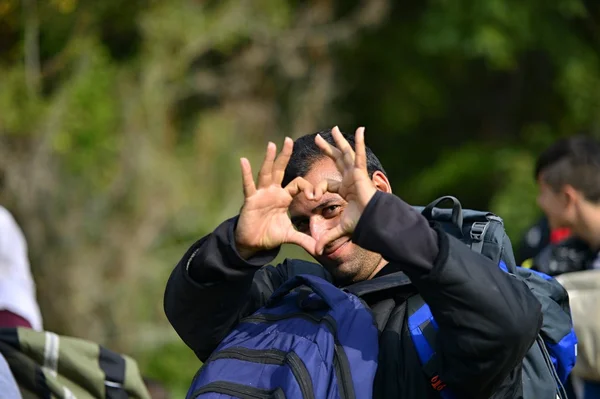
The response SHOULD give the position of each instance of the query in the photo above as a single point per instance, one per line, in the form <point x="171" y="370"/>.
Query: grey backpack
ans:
<point x="482" y="231"/>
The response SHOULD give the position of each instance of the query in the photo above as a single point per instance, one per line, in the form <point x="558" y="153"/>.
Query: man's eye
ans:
<point x="331" y="210"/>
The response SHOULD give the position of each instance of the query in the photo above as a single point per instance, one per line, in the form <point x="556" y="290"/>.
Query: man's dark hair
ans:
<point x="575" y="161"/>
<point x="306" y="153"/>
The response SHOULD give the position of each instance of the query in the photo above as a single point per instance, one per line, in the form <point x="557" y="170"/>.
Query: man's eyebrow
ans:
<point x="324" y="204"/>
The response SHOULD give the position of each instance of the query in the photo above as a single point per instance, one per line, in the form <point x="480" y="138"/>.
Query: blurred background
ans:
<point x="122" y="122"/>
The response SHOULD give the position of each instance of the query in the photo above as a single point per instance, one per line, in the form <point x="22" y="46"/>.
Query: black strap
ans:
<point x="113" y="366"/>
<point x="457" y="214"/>
<point x="392" y="280"/>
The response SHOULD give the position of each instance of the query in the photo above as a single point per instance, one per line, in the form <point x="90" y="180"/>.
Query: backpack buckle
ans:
<point x="478" y="230"/>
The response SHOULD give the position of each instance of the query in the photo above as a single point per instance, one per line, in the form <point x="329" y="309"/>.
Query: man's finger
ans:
<point x="247" y="178"/>
<point x="298" y="185"/>
<point x="328" y="237"/>
<point x="303" y="240"/>
<point x="282" y="160"/>
<point x="327" y="148"/>
<point x="344" y="146"/>
<point x="265" y="175"/>
<point x="332" y="152"/>
<point x="360" y="160"/>
<point x="327" y="186"/>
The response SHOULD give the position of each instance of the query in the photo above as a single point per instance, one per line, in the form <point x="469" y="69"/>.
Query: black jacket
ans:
<point x="487" y="319"/>
<point x="567" y="256"/>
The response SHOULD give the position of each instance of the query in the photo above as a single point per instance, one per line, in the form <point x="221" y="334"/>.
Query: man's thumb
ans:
<point x="303" y="240"/>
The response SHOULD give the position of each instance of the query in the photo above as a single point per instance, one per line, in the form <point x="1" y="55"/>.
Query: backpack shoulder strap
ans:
<point x="421" y="325"/>
<point x="423" y="332"/>
<point x="392" y="280"/>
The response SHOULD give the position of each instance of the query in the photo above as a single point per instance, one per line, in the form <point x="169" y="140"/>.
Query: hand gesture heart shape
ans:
<point x="264" y="222"/>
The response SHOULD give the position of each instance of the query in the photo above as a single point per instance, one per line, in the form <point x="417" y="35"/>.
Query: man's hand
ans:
<point x="264" y="222"/>
<point x="356" y="186"/>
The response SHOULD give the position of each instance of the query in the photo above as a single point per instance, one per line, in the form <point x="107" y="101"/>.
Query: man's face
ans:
<point x="346" y="261"/>
<point x="556" y="206"/>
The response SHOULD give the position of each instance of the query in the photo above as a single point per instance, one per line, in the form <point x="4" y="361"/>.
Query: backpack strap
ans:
<point x="332" y="296"/>
<point x="422" y="327"/>
<point x="392" y="280"/>
<point x="423" y="331"/>
<point x="456" y="215"/>
<point x="477" y="233"/>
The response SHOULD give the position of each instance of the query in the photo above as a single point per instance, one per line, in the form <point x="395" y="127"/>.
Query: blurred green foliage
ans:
<point x="121" y="125"/>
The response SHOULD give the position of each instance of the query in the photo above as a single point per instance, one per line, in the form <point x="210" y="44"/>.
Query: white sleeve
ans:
<point x="17" y="288"/>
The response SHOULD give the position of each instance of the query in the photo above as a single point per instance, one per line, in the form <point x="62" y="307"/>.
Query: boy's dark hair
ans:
<point x="575" y="161"/>
<point x="306" y="153"/>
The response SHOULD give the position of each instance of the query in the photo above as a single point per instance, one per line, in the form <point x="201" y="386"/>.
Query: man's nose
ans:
<point x="318" y="226"/>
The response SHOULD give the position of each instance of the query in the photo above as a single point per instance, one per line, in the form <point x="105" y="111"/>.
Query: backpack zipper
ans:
<point x="272" y="356"/>
<point x="265" y="317"/>
<point x="340" y="359"/>
<point x="239" y="391"/>
<point x="299" y="370"/>
<point x="562" y="393"/>
<point x="341" y="364"/>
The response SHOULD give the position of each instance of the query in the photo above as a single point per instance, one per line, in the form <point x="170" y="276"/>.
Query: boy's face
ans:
<point x="557" y="205"/>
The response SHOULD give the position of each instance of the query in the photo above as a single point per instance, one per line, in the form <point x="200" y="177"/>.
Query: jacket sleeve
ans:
<point x="212" y="288"/>
<point x="487" y="319"/>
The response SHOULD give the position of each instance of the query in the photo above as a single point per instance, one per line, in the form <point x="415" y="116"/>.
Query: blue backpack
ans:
<point x="551" y="358"/>
<point x="314" y="342"/>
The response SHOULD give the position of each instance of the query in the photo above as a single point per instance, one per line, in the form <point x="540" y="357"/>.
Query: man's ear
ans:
<point x="381" y="182"/>
<point x="570" y="195"/>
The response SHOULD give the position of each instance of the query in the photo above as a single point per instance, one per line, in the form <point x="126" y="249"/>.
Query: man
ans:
<point x="342" y="212"/>
<point x="568" y="176"/>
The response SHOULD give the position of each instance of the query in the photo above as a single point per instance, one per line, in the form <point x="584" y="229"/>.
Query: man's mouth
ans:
<point x="334" y="250"/>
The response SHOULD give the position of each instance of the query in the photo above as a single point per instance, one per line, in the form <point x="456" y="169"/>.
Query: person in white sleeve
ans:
<point x="18" y="302"/>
